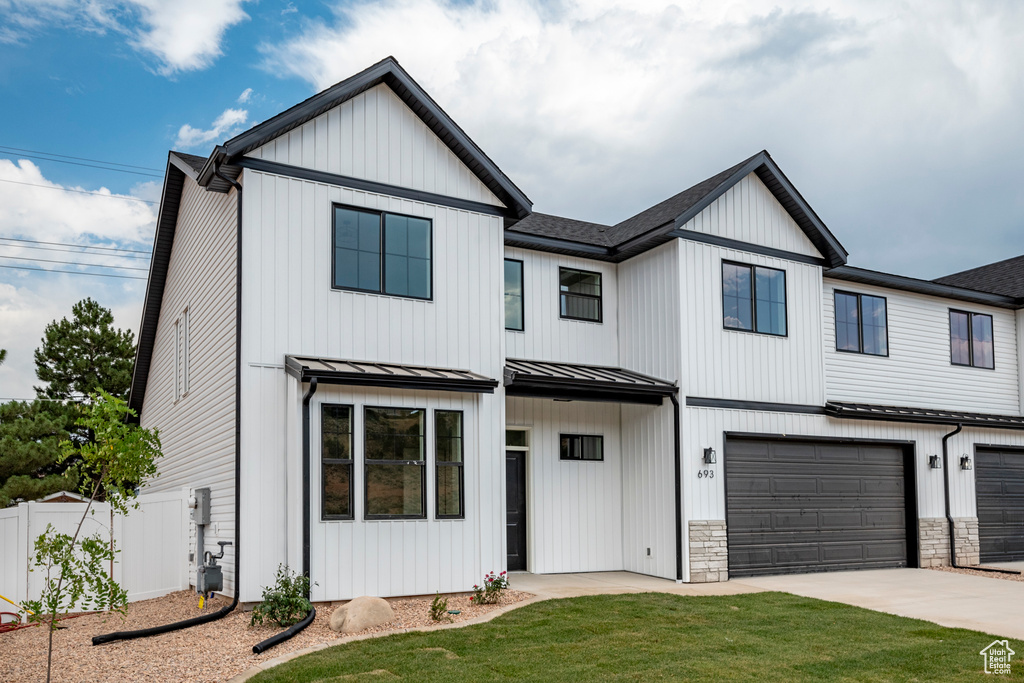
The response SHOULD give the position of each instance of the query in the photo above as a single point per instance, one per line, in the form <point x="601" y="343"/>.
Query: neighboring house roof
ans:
<point x="656" y="225"/>
<point x="1003" y="277"/>
<point x="63" y="497"/>
<point x="929" y="287"/>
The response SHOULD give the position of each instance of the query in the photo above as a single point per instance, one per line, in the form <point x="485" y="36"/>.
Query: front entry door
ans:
<point x="515" y="512"/>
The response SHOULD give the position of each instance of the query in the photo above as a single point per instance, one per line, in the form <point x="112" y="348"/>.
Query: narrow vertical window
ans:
<point x="449" y="448"/>
<point x="336" y="461"/>
<point x="970" y="339"/>
<point x="513" y="294"/>
<point x="580" y="294"/>
<point x="754" y="299"/>
<point x="177" y="360"/>
<point x="394" y="462"/>
<point x="184" y="354"/>
<point x="861" y="324"/>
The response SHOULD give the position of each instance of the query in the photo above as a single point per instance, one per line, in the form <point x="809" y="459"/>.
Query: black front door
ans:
<point x="515" y="513"/>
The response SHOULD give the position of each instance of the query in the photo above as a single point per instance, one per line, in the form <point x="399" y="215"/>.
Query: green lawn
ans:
<point x="654" y="636"/>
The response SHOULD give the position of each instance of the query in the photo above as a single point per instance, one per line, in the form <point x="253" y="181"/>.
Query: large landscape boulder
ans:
<point x="361" y="613"/>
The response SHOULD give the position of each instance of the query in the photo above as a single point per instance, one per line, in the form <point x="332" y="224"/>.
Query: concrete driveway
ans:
<point x="978" y="603"/>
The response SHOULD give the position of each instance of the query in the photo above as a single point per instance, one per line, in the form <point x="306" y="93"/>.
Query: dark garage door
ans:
<point x="801" y="506"/>
<point x="999" y="479"/>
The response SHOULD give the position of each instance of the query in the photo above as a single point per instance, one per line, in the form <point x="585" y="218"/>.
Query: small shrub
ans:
<point x="285" y="602"/>
<point x="490" y="592"/>
<point x="439" y="609"/>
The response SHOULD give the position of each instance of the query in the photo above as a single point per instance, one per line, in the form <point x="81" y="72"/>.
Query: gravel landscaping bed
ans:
<point x="975" y="572"/>
<point x="210" y="652"/>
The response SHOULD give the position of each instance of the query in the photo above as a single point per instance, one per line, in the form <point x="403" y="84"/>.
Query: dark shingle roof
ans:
<point x="192" y="160"/>
<point x="1003" y="277"/>
<point x="564" y="229"/>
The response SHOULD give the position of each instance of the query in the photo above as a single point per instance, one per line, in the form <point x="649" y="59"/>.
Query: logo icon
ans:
<point x="997" y="657"/>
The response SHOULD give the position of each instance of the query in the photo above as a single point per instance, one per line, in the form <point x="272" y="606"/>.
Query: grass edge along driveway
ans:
<point x="658" y="636"/>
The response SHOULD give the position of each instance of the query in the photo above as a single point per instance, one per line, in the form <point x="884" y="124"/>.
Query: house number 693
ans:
<point x="705" y="474"/>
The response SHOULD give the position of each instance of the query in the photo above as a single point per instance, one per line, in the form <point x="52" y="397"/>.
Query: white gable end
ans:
<point x="749" y="212"/>
<point x="375" y="136"/>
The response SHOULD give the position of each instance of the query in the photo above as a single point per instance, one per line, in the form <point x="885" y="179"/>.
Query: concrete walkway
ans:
<point x="604" y="583"/>
<point x="978" y="603"/>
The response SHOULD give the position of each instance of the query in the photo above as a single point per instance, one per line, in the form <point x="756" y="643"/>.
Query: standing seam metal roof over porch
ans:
<point x="570" y="381"/>
<point x="362" y="373"/>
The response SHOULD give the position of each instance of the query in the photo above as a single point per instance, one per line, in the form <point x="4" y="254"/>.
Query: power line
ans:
<point x="78" y="163"/>
<point x="68" y="189"/>
<point x="72" y="263"/>
<point x="98" y="161"/>
<point x="67" y="244"/>
<point x="74" y="272"/>
<point x="74" y="250"/>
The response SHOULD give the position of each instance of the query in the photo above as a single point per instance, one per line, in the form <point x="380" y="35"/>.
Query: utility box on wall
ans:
<point x="201" y="512"/>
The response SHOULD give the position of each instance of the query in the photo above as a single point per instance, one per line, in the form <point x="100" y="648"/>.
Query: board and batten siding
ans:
<point x="198" y="431"/>
<point x="732" y="364"/>
<point x="290" y="308"/>
<point x="749" y="212"/>
<point x="549" y="337"/>
<point x="375" y="136"/>
<point x="574" y="508"/>
<point x="650" y="326"/>
<point x="918" y="372"/>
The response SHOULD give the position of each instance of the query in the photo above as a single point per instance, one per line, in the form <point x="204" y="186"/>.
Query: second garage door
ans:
<point x="999" y="478"/>
<point x="804" y="506"/>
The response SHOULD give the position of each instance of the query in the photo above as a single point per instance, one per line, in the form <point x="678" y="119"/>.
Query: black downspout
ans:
<point x="273" y="640"/>
<point x="679" y="490"/>
<point x="224" y="611"/>
<point x="949" y="513"/>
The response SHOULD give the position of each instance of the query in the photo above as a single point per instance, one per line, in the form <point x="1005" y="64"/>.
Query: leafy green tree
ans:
<point x="85" y="354"/>
<point x="3" y="356"/>
<point x="30" y="436"/>
<point x="118" y="460"/>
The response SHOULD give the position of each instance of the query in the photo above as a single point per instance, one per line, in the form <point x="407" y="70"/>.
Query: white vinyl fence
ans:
<point x="152" y="540"/>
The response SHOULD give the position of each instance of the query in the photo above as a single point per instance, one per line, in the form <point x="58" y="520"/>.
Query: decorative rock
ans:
<point x="361" y="613"/>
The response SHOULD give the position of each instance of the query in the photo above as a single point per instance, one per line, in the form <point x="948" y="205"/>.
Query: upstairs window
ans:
<point x="181" y="373"/>
<point x="754" y="298"/>
<point x="380" y="252"/>
<point x="581" y="447"/>
<point x="580" y="294"/>
<point x="513" y="294"/>
<point x="970" y="339"/>
<point x="861" y="324"/>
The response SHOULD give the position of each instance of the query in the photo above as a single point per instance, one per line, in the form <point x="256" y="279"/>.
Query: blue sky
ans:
<point x="900" y="124"/>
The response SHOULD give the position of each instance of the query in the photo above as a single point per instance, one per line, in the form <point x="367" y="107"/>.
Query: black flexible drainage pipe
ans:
<point x="679" y="490"/>
<point x="223" y="612"/>
<point x="273" y="640"/>
<point x="949" y="513"/>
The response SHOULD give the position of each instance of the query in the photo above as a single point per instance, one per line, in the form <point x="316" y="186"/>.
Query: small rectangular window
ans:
<point x="861" y="324"/>
<point x="581" y="447"/>
<point x="754" y="298"/>
<point x="336" y="461"/>
<point x="513" y="294"/>
<point x="517" y="438"/>
<point x="449" y="451"/>
<point x="394" y="463"/>
<point x="382" y="252"/>
<point x="580" y="294"/>
<point x="970" y="339"/>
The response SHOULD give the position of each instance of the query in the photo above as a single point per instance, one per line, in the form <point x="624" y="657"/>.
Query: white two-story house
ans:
<point x="395" y="375"/>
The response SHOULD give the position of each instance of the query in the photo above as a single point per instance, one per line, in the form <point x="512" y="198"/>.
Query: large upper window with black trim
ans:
<point x="754" y="298"/>
<point x="395" y="460"/>
<point x="580" y="294"/>
<point x="970" y="339"/>
<point x="513" y="294"/>
<point x="861" y="325"/>
<point x="336" y="461"/>
<point x="581" y="447"/>
<point x="449" y="448"/>
<point x="382" y="252"/>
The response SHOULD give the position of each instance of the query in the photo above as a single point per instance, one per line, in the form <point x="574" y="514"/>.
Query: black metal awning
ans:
<point x="865" y="411"/>
<point x="575" y="382"/>
<point x="361" y="373"/>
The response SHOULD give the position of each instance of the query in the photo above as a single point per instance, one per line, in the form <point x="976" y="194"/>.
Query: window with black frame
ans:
<point x="581" y="447"/>
<point x="861" y="324"/>
<point x="513" y="295"/>
<point x="579" y="294"/>
<point x="754" y="298"/>
<point x="336" y="461"/>
<point x="395" y="461"/>
<point x="970" y="339"/>
<point x="449" y="450"/>
<point x="382" y="252"/>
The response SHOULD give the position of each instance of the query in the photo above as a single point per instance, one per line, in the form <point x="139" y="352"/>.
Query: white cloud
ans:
<point x="184" y="35"/>
<point x="245" y="96"/>
<point x="888" y="117"/>
<point x="229" y="122"/>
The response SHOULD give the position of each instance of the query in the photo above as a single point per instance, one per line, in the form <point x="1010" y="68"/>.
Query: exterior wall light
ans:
<point x="965" y="462"/>
<point x="935" y="462"/>
<point x="709" y="456"/>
